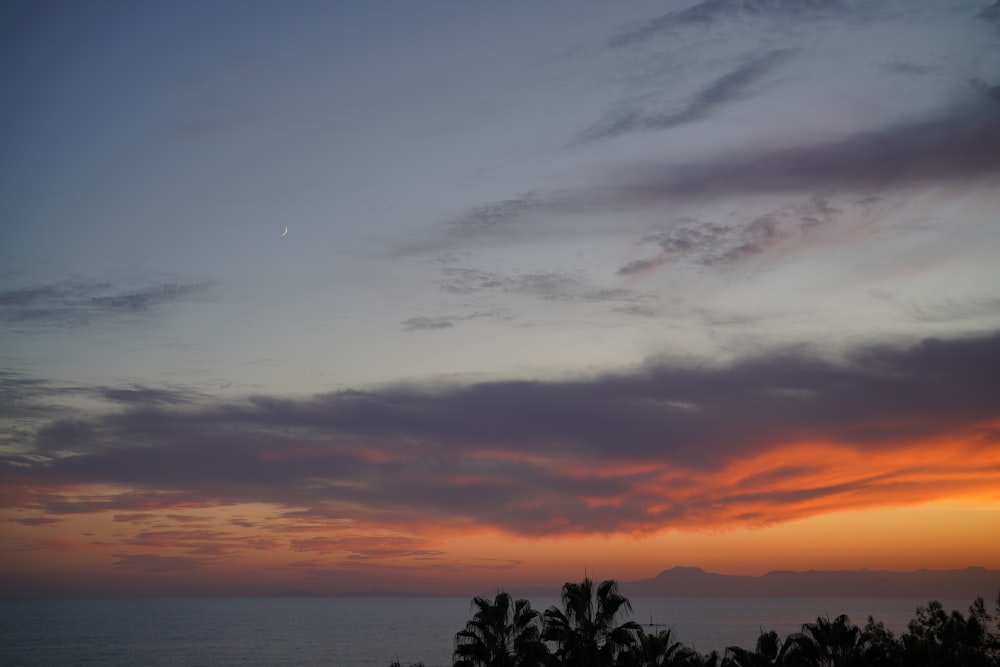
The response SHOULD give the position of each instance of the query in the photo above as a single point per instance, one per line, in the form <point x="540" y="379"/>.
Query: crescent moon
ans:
<point x="285" y="233"/>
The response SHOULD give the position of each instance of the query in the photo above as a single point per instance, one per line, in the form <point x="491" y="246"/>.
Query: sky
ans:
<point x="567" y="287"/>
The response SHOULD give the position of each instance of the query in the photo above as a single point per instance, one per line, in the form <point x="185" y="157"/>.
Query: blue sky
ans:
<point x="488" y="190"/>
<point x="552" y="193"/>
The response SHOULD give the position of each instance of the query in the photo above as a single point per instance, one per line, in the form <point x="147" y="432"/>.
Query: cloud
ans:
<point x="710" y="244"/>
<point x="363" y="548"/>
<point x="29" y="399"/>
<point x="139" y="517"/>
<point x="425" y="323"/>
<point x="730" y="87"/>
<point x="940" y="310"/>
<point x="37" y="521"/>
<point x="905" y="68"/>
<point x="959" y="145"/>
<point x="665" y="445"/>
<point x="490" y="217"/>
<point x="950" y="148"/>
<point x="78" y="303"/>
<point x="22" y="397"/>
<point x="31" y="408"/>
<point x="140" y="394"/>
<point x="989" y="91"/>
<point x="710" y="12"/>
<point x="556" y="286"/>
<point x="429" y="323"/>
<point x="157" y="563"/>
<point x="991" y="14"/>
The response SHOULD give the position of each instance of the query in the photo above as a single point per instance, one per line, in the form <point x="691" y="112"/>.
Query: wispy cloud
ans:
<point x="730" y="87"/>
<point x="711" y="244"/>
<point x="157" y="563"/>
<point x="495" y="216"/>
<point x="952" y="309"/>
<point x="37" y="521"/>
<point x="137" y="394"/>
<point x="424" y="323"/>
<point x="28" y="400"/>
<point x="991" y="14"/>
<point x="905" y="68"/>
<point x="592" y="455"/>
<point x="710" y="12"/>
<point x="948" y="148"/>
<point x="75" y="303"/>
<point x="437" y="323"/>
<point x="365" y="548"/>
<point x="953" y="147"/>
<point x="554" y="286"/>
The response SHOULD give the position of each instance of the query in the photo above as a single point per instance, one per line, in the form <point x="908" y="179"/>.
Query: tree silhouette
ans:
<point x="592" y="629"/>
<point x="938" y="638"/>
<point x="769" y="651"/>
<point x="502" y="633"/>
<point x="880" y="647"/>
<point x="826" y="643"/>
<point x="587" y="630"/>
<point x="713" y="659"/>
<point x="657" y="650"/>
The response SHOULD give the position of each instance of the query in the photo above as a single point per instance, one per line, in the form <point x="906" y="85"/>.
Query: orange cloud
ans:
<point x="628" y="471"/>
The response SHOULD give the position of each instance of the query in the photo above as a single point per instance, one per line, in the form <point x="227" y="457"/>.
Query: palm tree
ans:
<point x="502" y="633"/>
<point x="769" y="652"/>
<point x="586" y="630"/>
<point x="658" y="650"/>
<point x="826" y="643"/>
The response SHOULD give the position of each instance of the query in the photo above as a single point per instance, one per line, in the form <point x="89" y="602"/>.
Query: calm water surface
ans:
<point x="354" y="632"/>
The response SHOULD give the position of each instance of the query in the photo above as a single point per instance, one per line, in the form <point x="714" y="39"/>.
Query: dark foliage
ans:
<point x="586" y="631"/>
<point x="502" y="633"/>
<point x="593" y="628"/>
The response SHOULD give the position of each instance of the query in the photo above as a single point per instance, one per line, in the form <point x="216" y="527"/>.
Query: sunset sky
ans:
<point x="567" y="286"/>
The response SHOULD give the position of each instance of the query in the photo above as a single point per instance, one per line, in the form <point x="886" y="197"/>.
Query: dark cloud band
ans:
<point x="527" y="456"/>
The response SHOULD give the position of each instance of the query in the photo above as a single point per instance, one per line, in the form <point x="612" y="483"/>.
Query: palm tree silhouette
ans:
<point x="502" y="633"/>
<point x="826" y="643"/>
<point x="658" y="650"/>
<point x="769" y="651"/>
<point x="586" y="630"/>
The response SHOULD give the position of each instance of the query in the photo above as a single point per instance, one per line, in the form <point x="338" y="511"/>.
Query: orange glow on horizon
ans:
<point x="806" y="505"/>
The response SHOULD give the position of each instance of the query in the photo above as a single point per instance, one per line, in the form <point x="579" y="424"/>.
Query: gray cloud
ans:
<point x="954" y="146"/>
<point x="490" y="217"/>
<point x="991" y="92"/>
<point x="941" y="310"/>
<point x="730" y="87"/>
<point x="905" y="68"/>
<point x="37" y="521"/>
<point x="27" y="402"/>
<point x="360" y="548"/>
<point x="710" y="12"/>
<point x="140" y="394"/>
<point x="437" y="323"/>
<point x="157" y="563"/>
<point x="546" y="285"/>
<point x="80" y="302"/>
<point x="526" y="456"/>
<point x="991" y="14"/>
<point x="23" y="397"/>
<point x="948" y="148"/>
<point x="430" y="323"/>
<point x="710" y="244"/>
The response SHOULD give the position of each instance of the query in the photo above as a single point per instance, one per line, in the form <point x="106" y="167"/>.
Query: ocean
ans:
<point x="355" y="632"/>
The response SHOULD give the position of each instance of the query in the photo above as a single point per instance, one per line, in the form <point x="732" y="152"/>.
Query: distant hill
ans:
<point x="929" y="584"/>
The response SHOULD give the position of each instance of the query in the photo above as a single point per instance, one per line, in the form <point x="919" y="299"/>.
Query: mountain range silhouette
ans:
<point x="967" y="583"/>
